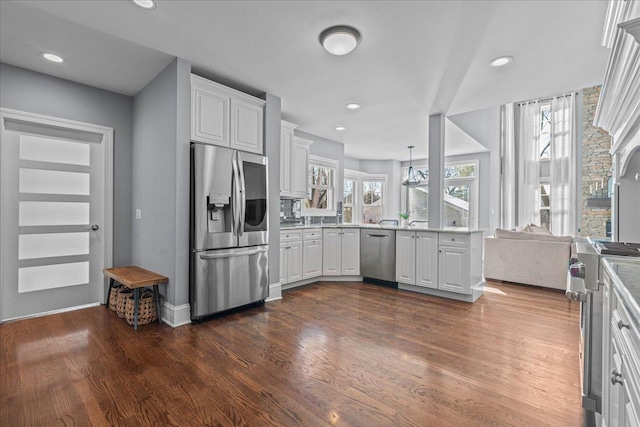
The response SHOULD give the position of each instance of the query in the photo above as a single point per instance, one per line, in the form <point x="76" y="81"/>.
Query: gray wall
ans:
<point x="272" y="116"/>
<point x="38" y="93"/>
<point x="629" y="196"/>
<point x="161" y="178"/>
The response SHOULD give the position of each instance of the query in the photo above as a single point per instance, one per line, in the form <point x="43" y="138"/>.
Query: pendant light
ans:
<point x="412" y="177"/>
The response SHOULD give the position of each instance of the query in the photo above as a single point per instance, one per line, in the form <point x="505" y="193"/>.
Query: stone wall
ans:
<point x="596" y="170"/>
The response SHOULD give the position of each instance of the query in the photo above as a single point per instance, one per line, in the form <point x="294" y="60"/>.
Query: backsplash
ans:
<point x="291" y="213"/>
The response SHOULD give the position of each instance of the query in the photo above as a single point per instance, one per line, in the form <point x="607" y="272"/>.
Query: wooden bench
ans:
<point x="135" y="278"/>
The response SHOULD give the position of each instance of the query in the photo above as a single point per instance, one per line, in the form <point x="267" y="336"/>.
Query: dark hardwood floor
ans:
<point x="327" y="354"/>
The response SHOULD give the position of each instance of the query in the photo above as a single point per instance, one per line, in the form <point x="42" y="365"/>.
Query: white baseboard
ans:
<point x="275" y="292"/>
<point x="47" y="313"/>
<point x="175" y="316"/>
<point x="299" y="283"/>
<point x="476" y="292"/>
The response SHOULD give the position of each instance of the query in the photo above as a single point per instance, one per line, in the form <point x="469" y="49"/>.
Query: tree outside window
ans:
<point x="372" y="201"/>
<point x="320" y="198"/>
<point x="349" y="198"/>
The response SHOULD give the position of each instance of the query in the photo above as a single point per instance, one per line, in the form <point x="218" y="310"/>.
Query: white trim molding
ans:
<point x="175" y="316"/>
<point x="47" y="313"/>
<point x="275" y="292"/>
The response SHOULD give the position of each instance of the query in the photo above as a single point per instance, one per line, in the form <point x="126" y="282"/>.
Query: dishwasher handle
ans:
<point x="384" y="236"/>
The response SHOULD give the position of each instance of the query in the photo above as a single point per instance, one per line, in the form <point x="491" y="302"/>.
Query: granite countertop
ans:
<point x="459" y="230"/>
<point x="625" y="272"/>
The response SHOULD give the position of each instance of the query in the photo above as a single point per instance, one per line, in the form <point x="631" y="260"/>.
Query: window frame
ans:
<point x="350" y="175"/>
<point x="332" y="201"/>
<point x="359" y="178"/>
<point x="474" y="196"/>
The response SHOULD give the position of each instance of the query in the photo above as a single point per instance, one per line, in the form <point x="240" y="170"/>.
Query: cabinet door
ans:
<point x="331" y="252"/>
<point x="299" y="169"/>
<point x="295" y="261"/>
<point x="427" y="259"/>
<point x="350" y="251"/>
<point x="283" y="263"/>
<point x="209" y="115"/>
<point x="406" y="257"/>
<point x="247" y="126"/>
<point x="312" y="259"/>
<point x="454" y="269"/>
<point x="286" y="139"/>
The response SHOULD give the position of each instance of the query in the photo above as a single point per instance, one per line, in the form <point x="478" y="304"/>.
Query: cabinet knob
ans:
<point x="453" y="240"/>
<point x="621" y="325"/>
<point x="616" y="378"/>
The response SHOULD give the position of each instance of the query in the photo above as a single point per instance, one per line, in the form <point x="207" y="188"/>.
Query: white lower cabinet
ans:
<point x="450" y="262"/>
<point x="621" y="362"/>
<point x="312" y="254"/>
<point x="290" y="256"/>
<point x="341" y="252"/>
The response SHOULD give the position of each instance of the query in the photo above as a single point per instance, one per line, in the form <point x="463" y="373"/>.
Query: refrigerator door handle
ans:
<point x="243" y="195"/>
<point x="231" y="254"/>
<point x="236" y="201"/>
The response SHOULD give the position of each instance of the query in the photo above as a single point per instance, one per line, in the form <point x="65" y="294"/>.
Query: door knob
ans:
<point x="93" y="227"/>
<point x="622" y="324"/>
<point x="616" y="377"/>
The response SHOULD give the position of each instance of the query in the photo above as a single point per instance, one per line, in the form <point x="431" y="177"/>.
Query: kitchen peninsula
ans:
<point x="444" y="262"/>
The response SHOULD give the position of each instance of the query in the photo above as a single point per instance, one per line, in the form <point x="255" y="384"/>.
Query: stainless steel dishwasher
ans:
<point x="378" y="254"/>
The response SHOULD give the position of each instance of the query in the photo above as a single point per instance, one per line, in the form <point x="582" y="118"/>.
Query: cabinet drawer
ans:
<point x="290" y="235"/>
<point x="312" y="234"/>
<point x="629" y="330"/>
<point x="453" y="239"/>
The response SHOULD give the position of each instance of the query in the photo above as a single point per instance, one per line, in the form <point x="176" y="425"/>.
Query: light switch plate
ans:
<point x="138" y="213"/>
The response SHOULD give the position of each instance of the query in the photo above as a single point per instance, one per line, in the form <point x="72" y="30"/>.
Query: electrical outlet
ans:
<point x="138" y="213"/>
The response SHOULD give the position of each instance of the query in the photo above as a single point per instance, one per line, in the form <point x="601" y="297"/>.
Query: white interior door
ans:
<point x="56" y="222"/>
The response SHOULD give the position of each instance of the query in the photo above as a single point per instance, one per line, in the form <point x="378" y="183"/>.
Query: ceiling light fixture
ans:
<point x="146" y="4"/>
<point x="340" y="39"/>
<point x="353" y="106"/>
<point x="500" y="61"/>
<point x="52" y="57"/>
<point x="340" y="128"/>
<point x="413" y="177"/>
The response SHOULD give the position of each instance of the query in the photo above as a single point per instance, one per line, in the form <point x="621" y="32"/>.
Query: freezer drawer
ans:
<point x="378" y="254"/>
<point x="228" y="278"/>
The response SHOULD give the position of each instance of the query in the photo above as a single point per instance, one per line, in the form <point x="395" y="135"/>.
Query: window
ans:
<point x="348" y="207"/>
<point x="372" y="200"/>
<point x="545" y="131"/>
<point x="321" y="194"/>
<point x="545" y="205"/>
<point x="460" y="195"/>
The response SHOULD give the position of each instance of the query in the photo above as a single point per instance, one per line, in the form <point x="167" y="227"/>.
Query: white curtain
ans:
<point x="508" y="174"/>
<point x="564" y="165"/>
<point x="528" y="143"/>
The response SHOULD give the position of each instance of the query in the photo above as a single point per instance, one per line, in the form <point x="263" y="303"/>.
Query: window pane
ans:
<point x="52" y="276"/>
<point x="54" y="150"/>
<point x="52" y="245"/>
<point x="545" y="131"/>
<point x="456" y="206"/>
<point x="348" y="192"/>
<point x="53" y="213"/>
<point x="317" y="199"/>
<point x="459" y="171"/>
<point x="545" y="192"/>
<point x="372" y="193"/>
<point x="347" y="216"/>
<point x="418" y="203"/>
<point x="372" y="214"/>
<point x="40" y="181"/>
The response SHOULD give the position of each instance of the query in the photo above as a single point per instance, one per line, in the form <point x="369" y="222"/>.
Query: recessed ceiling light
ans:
<point x="52" y="57"/>
<point x="353" y="106"/>
<point x="500" y="61"/>
<point x="339" y="40"/>
<point x="146" y="4"/>
<point x="340" y="128"/>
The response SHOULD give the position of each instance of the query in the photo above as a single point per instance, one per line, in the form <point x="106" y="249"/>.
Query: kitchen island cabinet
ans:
<point x="341" y="251"/>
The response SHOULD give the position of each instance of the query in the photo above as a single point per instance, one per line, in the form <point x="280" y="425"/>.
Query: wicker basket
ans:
<point x="146" y="308"/>
<point x="121" y="304"/>
<point x="113" y="296"/>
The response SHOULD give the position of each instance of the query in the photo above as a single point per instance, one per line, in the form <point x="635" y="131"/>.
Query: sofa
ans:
<point x="531" y="256"/>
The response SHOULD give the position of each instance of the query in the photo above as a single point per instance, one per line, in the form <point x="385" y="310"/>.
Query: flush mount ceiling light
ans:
<point x="340" y="39"/>
<point x="413" y="177"/>
<point x="52" y="57"/>
<point x="353" y="106"/>
<point x="500" y="61"/>
<point x="340" y="128"/>
<point x="146" y="4"/>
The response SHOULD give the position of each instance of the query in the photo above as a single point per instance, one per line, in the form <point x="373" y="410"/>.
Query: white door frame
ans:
<point x="107" y="141"/>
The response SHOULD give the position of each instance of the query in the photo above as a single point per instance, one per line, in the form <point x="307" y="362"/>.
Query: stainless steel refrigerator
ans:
<point x="229" y="235"/>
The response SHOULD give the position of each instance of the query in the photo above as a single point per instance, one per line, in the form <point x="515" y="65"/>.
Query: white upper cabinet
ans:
<point x="294" y="162"/>
<point x="226" y="117"/>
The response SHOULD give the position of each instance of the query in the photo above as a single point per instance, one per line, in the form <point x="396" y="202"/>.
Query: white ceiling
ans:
<point x="415" y="59"/>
